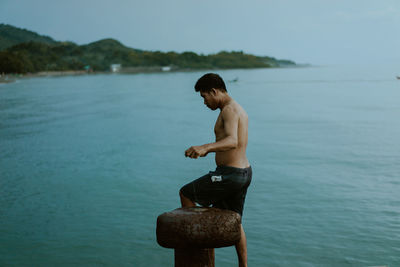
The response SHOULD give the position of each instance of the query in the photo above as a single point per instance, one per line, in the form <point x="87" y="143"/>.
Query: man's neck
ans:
<point x="225" y="100"/>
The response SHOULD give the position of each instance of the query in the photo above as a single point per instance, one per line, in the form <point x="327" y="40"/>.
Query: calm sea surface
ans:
<point x="87" y="164"/>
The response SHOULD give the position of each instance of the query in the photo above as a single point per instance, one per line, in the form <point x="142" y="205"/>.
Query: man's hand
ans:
<point x="196" y="151"/>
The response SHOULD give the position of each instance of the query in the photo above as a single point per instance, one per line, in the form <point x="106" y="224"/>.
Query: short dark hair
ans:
<point x="209" y="81"/>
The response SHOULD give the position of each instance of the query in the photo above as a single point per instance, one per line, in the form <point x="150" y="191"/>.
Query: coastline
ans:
<point x="9" y="78"/>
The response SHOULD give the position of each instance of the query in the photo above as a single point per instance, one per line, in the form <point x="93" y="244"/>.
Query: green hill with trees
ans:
<point x="24" y="51"/>
<point x="10" y="36"/>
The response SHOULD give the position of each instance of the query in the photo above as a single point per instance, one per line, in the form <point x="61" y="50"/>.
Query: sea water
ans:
<point x="87" y="163"/>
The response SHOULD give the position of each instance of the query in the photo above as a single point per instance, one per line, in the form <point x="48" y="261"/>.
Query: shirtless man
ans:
<point x="226" y="187"/>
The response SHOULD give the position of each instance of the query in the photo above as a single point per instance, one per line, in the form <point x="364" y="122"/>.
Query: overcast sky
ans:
<point x="307" y="31"/>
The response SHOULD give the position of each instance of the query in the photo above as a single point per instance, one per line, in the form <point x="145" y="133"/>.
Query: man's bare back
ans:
<point x="232" y="115"/>
<point x="231" y="132"/>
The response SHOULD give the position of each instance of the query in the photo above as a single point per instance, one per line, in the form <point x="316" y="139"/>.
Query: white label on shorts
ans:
<point x="216" y="178"/>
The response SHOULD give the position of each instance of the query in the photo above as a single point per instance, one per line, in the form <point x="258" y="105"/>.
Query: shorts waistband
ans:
<point x="230" y="168"/>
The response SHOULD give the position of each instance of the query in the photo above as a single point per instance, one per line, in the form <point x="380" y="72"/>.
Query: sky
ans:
<point x="319" y="32"/>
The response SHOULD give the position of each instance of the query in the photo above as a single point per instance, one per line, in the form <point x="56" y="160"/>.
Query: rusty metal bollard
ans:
<point x="195" y="232"/>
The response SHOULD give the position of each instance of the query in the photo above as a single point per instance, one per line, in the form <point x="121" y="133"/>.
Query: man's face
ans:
<point x="209" y="100"/>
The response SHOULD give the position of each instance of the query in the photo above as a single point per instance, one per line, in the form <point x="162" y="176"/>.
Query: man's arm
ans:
<point x="230" y="141"/>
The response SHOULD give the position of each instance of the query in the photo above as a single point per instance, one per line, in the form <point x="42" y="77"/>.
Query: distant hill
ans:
<point x="10" y="36"/>
<point x="45" y="54"/>
<point x="105" y="45"/>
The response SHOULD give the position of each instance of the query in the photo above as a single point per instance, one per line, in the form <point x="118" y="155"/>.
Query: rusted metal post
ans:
<point x="195" y="232"/>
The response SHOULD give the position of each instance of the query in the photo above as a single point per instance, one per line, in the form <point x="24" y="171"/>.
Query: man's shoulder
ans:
<point x="234" y="109"/>
<point x="230" y="110"/>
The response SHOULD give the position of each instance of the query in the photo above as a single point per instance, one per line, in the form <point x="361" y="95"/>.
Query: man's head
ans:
<point x="209" y="81"/>
<point x="212" y="89"/>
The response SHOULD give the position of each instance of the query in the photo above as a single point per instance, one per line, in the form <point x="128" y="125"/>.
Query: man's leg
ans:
<point x="185" y="202"/>
<point x="241" y="248"/>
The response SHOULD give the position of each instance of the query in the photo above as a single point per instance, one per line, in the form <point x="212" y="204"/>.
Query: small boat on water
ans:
<point x="237" y="79"/>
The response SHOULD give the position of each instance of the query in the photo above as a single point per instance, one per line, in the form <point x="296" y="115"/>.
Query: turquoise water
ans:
<point x="89" y="162"/>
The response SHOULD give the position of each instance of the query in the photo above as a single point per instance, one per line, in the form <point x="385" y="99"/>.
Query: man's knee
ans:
<point x="185" y="201"/>
<point x="181" y="193"/>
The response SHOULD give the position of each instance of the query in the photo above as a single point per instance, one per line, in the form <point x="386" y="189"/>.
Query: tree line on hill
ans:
<point x="22" y="51"/>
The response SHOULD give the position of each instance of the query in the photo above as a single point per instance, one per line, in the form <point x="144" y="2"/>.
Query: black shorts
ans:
<point x="224" y="188"/>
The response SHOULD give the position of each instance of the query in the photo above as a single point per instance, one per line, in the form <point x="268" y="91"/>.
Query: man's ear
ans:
<point x="213" y="91"/>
